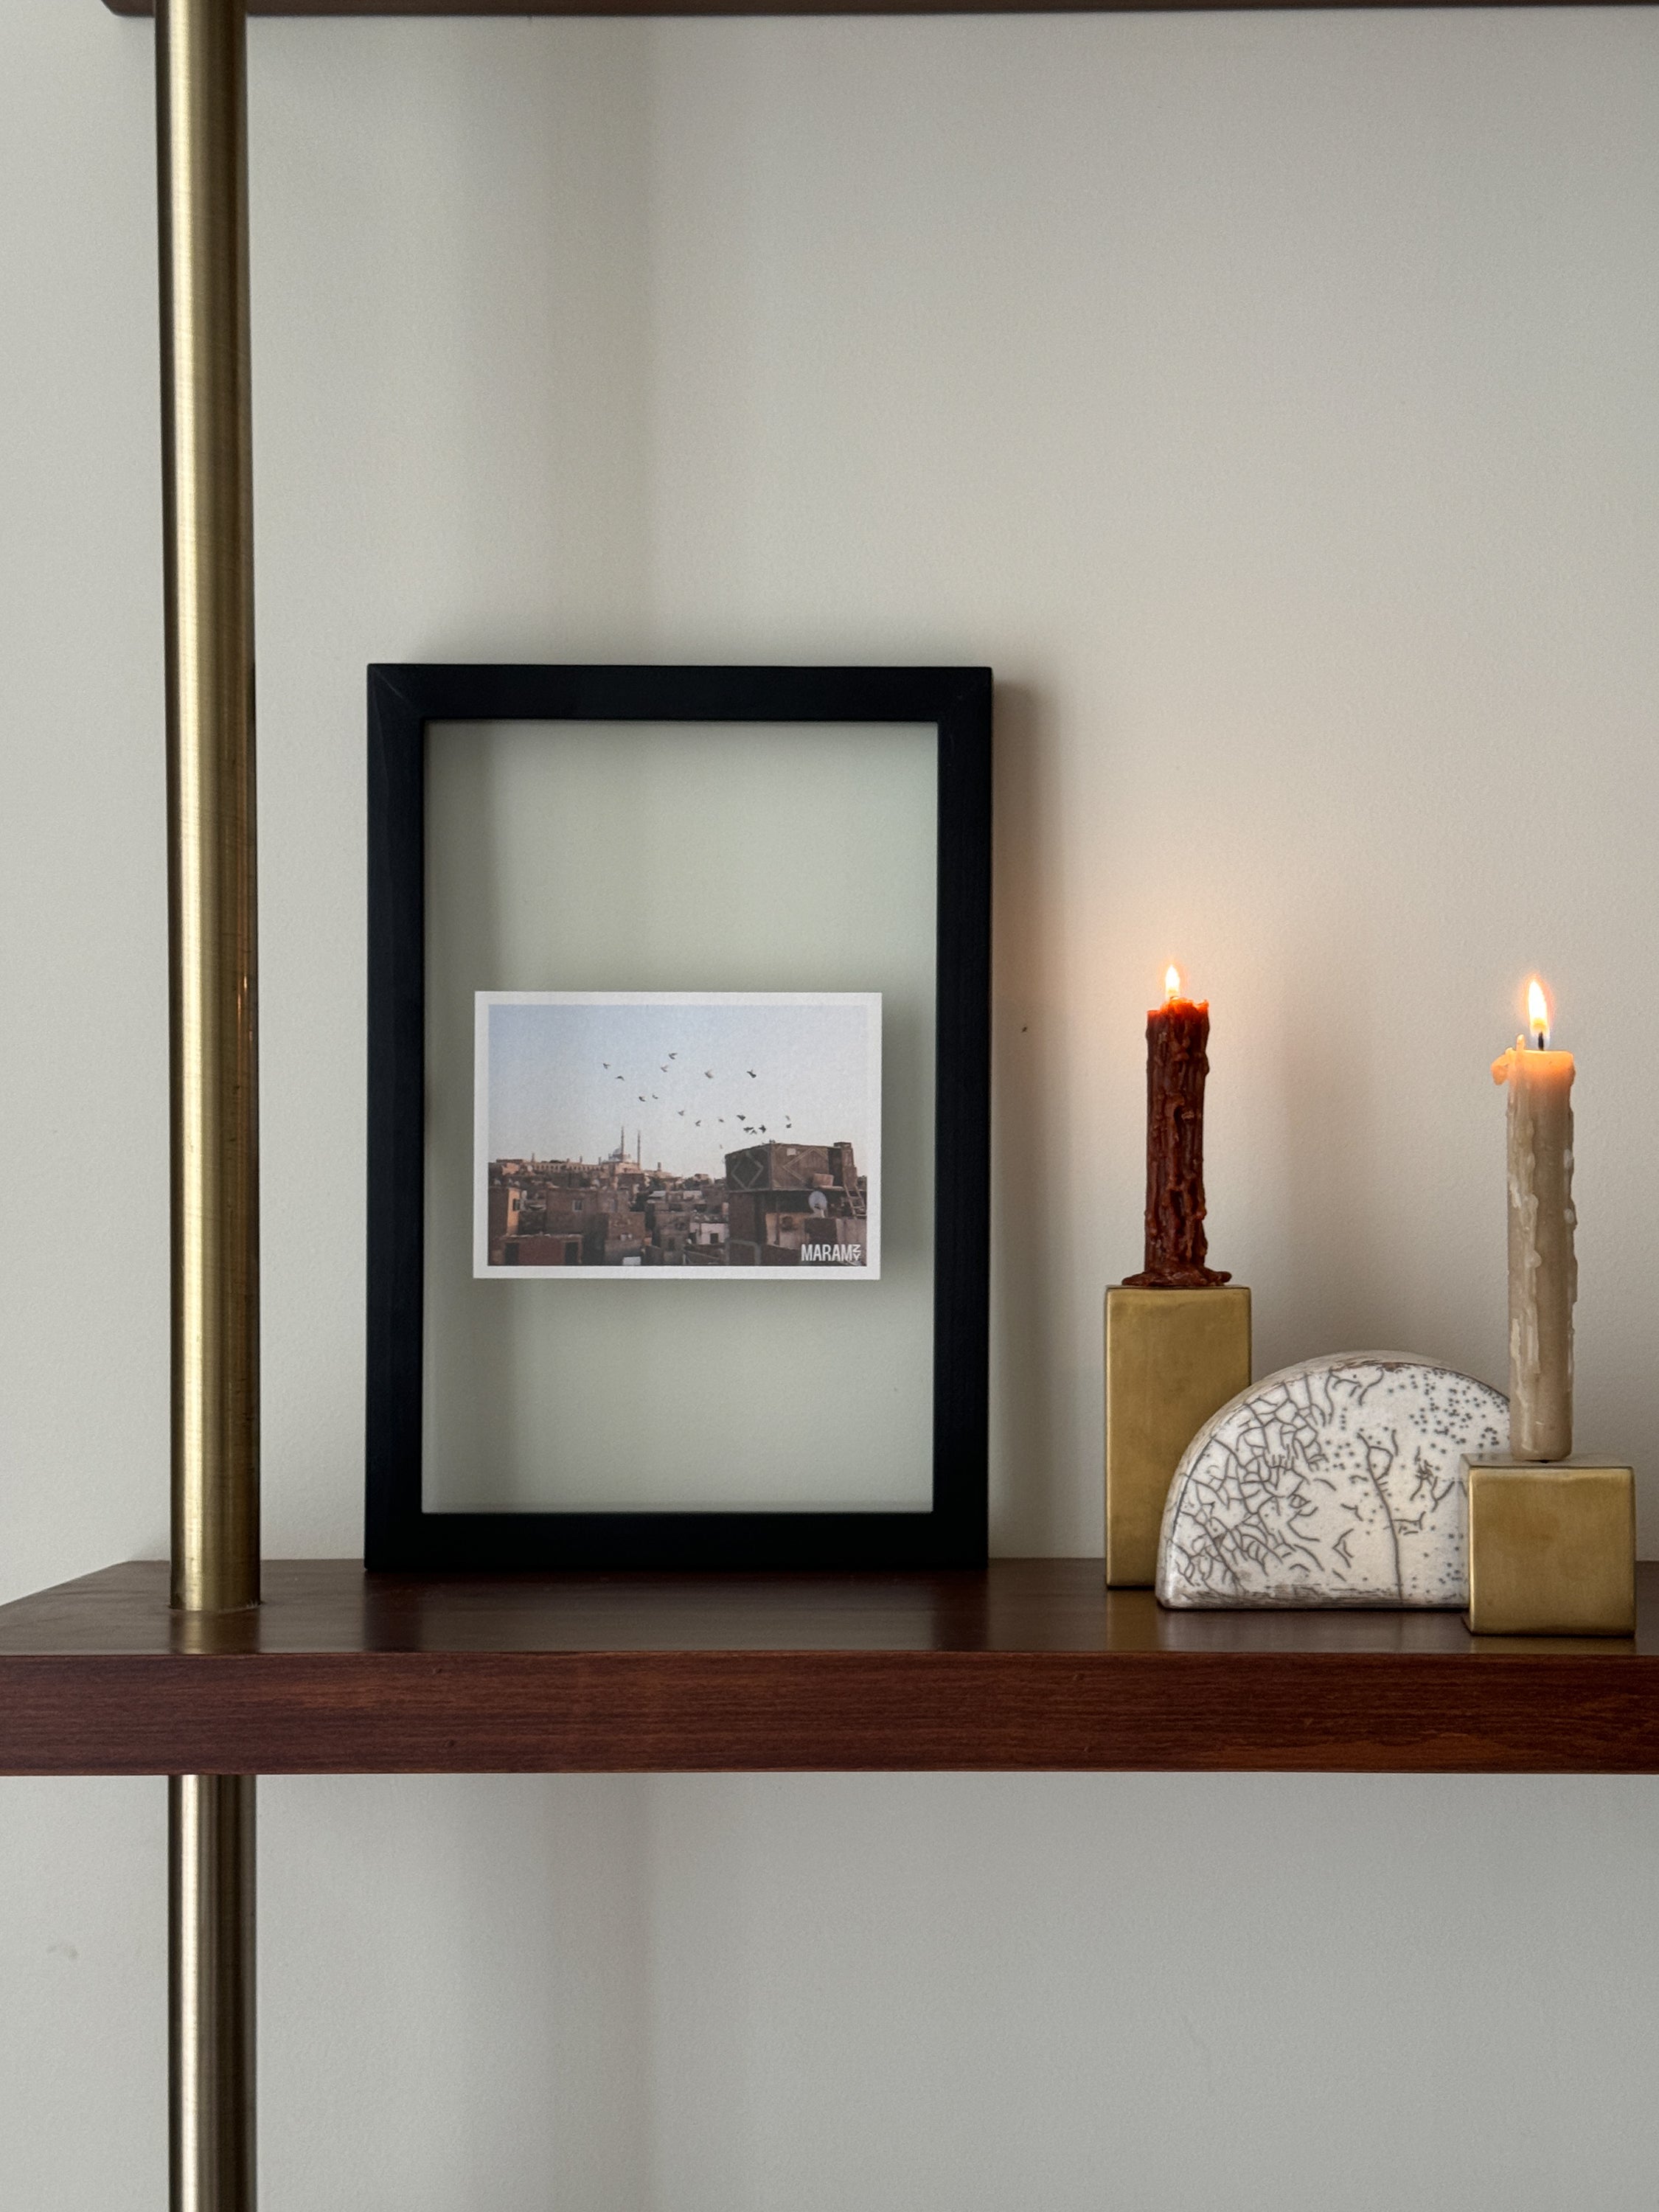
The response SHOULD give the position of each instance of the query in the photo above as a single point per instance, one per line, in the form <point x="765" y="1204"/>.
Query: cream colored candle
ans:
<point x="1543" y="1270"/>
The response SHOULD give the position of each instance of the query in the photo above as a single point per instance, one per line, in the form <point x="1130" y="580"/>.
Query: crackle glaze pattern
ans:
<point x="1334" y="1483"/>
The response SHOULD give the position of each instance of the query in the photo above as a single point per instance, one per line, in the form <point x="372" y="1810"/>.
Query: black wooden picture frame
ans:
<point x="400" y="1536"/>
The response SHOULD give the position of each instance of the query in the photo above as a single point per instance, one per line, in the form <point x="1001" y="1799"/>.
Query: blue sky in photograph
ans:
<point x="566" y="1082"/>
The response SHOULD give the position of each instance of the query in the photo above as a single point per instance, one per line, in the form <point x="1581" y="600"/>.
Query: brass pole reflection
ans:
<point x="201" y="139"/>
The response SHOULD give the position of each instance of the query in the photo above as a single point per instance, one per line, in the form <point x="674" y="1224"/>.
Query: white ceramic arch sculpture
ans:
<point x="1335" y="1483"/>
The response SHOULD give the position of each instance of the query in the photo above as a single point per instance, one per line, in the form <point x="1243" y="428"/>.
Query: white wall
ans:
<point x="1270" y="400"/>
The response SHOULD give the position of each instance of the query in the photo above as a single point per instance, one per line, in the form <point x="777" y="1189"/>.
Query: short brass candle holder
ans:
<point x="1552" y="1547"/>
<point x="1172" y="1357"/>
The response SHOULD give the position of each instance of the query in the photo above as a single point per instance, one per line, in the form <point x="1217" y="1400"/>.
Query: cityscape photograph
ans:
<point x="741" y="1137"/>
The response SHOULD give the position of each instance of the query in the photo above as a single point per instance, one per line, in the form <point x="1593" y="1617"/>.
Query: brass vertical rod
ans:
<point x="207" y="471"/>
<point x="200" y="104"/>
<point x="211" y="1991"/>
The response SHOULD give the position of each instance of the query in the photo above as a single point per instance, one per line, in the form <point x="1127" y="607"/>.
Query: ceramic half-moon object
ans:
<point x="1337" y="1482"/>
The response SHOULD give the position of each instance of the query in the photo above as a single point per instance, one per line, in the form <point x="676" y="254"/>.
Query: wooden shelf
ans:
<point x="819" y="7"/>
<point x="1031" y="1664"/>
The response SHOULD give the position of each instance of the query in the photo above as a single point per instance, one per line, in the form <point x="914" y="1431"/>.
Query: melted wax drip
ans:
<point x="1177" y="1035"/>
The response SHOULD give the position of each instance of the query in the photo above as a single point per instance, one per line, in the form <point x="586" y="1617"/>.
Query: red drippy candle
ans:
<point x="1177" y="1035"/>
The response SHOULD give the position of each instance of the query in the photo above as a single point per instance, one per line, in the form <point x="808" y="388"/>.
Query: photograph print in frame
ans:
<point x="677" y="1136"/>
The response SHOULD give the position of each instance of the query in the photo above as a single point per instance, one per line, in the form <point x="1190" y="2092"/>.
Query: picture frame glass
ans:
<point x="771" y="887"/>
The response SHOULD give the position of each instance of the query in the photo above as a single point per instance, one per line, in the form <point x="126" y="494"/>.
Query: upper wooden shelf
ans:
<point x="824" y="7"/>
<point x="1033" y="1663"/>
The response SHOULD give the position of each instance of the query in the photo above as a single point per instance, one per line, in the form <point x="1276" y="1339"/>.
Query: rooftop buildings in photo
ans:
<point x="776" y="1206"/>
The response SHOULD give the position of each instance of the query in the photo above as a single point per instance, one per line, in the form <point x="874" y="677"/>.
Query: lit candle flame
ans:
<point x="1538" y="1013"/>
<point x="1171" y="984"/>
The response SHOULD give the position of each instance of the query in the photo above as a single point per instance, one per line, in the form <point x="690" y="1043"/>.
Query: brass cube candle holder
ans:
<point x="1552" y="1547"/>
<point x="1172" y="1357"/>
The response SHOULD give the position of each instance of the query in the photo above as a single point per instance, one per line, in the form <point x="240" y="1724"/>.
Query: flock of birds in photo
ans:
<point x="750" y="1123"/>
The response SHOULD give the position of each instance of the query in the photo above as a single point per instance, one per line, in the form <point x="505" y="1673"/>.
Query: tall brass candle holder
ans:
<point x="1172" y="1357"/>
